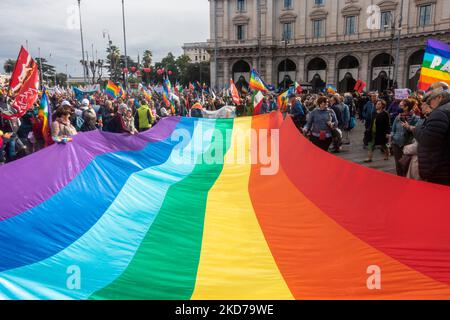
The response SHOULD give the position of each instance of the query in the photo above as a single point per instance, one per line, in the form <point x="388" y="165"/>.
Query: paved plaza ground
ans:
<point x="355" y="152"/>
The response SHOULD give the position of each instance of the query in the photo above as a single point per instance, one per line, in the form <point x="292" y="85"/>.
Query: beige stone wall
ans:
<point x="197" y="52"/>
<point x="263" y="45"/>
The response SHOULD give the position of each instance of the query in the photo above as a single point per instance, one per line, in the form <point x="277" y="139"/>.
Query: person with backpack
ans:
<point x="89" y="117"/>
<point x="350" y="103"/>
<point x="297" y="112"/>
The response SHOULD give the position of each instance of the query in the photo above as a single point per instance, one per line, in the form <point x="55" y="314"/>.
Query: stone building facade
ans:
<point x="196" y="51"/>
<point x="319" y="42"/>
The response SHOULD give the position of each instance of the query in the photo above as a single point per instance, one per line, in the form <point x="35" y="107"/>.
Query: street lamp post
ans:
<point x="393" y="23"/>
<point x="124" y="42"/>
<point x="397" y="56"/>
<point x="40" y="67"/>
<point x="200" y="63"/>
<point x="50" y="57"/>
<point x="286" y="42"/>
<point x="82" y="42"/>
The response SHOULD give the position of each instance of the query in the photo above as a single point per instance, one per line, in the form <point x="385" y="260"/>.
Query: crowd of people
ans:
<point x="415" y="130"/>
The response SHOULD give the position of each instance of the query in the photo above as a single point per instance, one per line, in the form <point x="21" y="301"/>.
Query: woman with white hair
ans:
<point x="117" y="123"/>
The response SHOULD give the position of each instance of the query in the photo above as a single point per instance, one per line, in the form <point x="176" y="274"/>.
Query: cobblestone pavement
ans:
<point x="355" y="152"/>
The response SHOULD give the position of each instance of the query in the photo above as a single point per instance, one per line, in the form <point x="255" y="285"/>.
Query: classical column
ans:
<point x="331" y="70"/>
<point x="402" y="69"/>
<point x="269" y="71"/>
<point x="226" y="71"/>
<point x="213" y="66"/>
<point x="226" y="20"/>
<point x="254" y="63"/>
<point x="269" y="20"/>
<point x="213" y="31"/>
<point x="364" y="68"/>
<point x="301" y="76"/>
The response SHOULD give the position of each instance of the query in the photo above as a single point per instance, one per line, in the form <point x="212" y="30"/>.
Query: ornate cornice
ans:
<point x="318" y="14"/>
<point x="351" y="10"/>
<point x="288" y="17"/>
<point x="387" y="5"/>
<point x="241" y="19"/>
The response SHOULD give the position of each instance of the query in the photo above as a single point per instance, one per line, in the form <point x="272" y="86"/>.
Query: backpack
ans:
<point x="78" y="123"/>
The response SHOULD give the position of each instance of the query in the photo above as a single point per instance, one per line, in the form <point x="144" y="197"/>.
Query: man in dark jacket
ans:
<point x="433" y="137"/>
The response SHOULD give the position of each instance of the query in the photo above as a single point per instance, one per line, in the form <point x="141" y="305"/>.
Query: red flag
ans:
<point x="357" y="85"/>
<point x="298" y="88"/>
<point x="360" y="86"/>
<point x="191" y="87"/>
<point x="21" y="69"/>
<point x="24" y="85"/>
<point x="234" y="93"/>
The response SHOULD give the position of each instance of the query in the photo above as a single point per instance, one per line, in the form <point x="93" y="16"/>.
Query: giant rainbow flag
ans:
<point x="436" y="64"/>
<point x="196" y="209"/>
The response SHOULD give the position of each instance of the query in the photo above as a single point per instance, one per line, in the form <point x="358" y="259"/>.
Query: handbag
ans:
<point x="352" y="123"/>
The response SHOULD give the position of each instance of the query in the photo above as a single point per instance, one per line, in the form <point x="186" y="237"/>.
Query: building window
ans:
<point x="318" y="2"/>
<point x="196" y="58"/>
<point x="287" y="31"/>
<point x="350" y="25"/>
<point x="317" y="28"/>
<point x="386" y="20"/>
<point x="288" y="4"/>
<point x="241" y="5"/>
<point x="425" y="15"/>
<point x="240" y="32"/>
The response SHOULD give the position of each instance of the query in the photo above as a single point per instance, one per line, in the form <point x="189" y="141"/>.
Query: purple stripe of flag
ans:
<point x="30" y="181"/>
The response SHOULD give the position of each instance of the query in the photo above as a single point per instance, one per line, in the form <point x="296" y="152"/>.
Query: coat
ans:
<point x="383" y="128"/>
<point x="433" y="137"/>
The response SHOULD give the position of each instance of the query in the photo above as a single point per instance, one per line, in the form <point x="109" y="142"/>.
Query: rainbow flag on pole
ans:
<point x="331" y="89"/>
<point x="436" y="64"/>
<point x="167" y="95"/>
<point x="112" y="90"/>
<point x="216" y="214"/>
<point x="257" y="83"/>
<point x="283" y="99"/>
<point x="45" y="115"/>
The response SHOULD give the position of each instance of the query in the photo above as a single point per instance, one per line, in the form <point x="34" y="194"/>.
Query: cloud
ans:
<point x="52" y="26"/>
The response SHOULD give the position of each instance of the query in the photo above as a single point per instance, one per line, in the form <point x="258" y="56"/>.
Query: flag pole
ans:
<point x="124" y="42"/>
<point x="397" y="56"/>
<point x="82" y="42"/>
<point x="40" y="68"/>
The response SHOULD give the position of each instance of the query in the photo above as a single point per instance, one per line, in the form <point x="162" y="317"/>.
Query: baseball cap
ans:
<point x="65" y="103"/>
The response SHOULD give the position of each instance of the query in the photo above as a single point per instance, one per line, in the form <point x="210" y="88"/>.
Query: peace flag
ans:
<point x="215" y="214"/>
<point x="436" y="64"/>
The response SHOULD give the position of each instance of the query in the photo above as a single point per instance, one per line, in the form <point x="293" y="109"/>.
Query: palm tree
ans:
<point x="9" y="65"/>
<point x="147" y="58"/>
<point x="113" y="63"/>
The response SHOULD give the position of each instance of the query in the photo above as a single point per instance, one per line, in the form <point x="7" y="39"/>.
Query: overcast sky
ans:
<point x="160" y="25"/>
